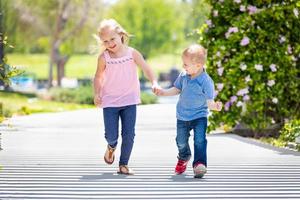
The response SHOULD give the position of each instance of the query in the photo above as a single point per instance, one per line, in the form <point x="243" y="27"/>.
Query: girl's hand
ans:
<point x="97" y="101"/>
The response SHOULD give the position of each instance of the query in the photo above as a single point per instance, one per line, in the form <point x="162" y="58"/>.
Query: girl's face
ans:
<point x="191" y="67"/>
<point x="111" y="40"/>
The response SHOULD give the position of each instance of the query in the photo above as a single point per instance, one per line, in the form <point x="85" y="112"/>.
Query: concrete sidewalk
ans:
<point x="60" y="156"/>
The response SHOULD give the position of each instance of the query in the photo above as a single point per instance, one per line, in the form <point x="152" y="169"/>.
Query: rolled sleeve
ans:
<point x="178" y="82"/>
<point x="209" y="88"/>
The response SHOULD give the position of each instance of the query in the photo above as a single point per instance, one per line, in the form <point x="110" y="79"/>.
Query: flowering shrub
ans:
<point x="254" y="60"/>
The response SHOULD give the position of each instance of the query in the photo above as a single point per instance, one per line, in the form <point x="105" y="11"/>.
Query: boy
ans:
<point x="196" y="90"/>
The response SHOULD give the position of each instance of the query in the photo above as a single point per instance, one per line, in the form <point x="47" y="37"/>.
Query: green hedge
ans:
<point x="81" y="95"/>
<point x="254" y="59"/>
<point x="84" y="95"/>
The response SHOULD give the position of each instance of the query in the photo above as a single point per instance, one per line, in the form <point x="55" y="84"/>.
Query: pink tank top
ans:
<point x="121" y="86"/>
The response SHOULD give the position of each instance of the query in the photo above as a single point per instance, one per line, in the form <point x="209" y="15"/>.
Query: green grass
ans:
<point x="82" y="66"/>
<point x="16" y="103"/>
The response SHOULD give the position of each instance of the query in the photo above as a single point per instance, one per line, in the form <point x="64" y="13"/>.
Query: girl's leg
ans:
<point x="128" y="119"/>
<point x="111" y="123"/>
<point x="200" y="141"/>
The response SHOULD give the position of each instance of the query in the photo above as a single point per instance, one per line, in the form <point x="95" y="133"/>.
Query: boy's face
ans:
<point x="191" y="68"/>
<point x="111" y="40"/>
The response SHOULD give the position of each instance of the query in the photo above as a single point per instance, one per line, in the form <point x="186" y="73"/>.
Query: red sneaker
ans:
<point x="181" y="166"/>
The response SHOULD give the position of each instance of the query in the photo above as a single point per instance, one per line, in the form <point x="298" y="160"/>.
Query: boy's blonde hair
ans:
<point x="114" y="25"/>
<point x="196" y="53"/>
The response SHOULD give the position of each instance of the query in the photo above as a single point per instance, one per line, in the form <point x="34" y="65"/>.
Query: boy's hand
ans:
<point x="218" y="106"/>
<point x="97" y="101"/>
<point x="159" y="91"/>
<point x="212" y="105"/>
<point x="156" y="88"/>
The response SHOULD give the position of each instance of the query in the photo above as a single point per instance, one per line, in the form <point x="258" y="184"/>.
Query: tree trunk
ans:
<point x="58" y="38"/>
<point x="61" y="69"/>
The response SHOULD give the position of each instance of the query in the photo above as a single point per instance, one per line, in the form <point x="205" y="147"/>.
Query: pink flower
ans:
<point x="239" y="104"/>
<point x="252" y="9"/>
<point x="220" y="71"/>
<point x="273" y="68"/>
<point x="216" y="94"/>
<point x="243" y="66"/>
<point x="271" y="83"/>
<point x="227" y="105"/>
<point x="245" y="41"/>
<point x="282" y="39"/>
<point x="216" y="13"/>
<point x="242" y="8"/>
<point x="289" y="49"/>
<point x="237" y="1"/>
<point x="220" y="86"/>
<point x="233" y="99"/>
<point x="209" y="23"/>
<point x="275" y="100"/>
<point x="218" y="54"/>
<point x="231" y="30"/>
<point x="246" y="98"/>
<point x="243" y="91"/>
<point x="259" y="67"/>
<point x="247" y="79"/>
<point x="296" y="12"/>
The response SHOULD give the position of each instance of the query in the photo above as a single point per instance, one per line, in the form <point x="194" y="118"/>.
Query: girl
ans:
<point x="117" y="89"/>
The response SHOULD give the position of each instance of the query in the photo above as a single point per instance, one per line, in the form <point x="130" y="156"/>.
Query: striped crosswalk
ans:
<point x="96" y="181"/>
<point x="60" y="156"/>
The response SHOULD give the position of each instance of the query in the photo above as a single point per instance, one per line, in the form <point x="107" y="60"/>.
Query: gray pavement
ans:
<point x="60" y="156"/>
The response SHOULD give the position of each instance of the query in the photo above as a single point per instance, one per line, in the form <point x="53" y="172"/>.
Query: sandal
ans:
<point x="124" y="169"/>
<point x="109" y="156"/>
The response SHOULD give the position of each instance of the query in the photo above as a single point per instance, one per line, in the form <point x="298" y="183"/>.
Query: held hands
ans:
<point x="156" y="89"/>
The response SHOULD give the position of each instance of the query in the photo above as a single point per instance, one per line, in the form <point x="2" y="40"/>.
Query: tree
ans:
<point x="6" y="71"/>
<point x="253" y="57"/>
<point x="57" y="28"/>
<point x="156" y="25"/>
<point x="59" y="36"/>
<point x="196" y="11"/>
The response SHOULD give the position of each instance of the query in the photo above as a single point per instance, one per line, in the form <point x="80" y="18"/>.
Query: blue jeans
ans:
<point x="200" y="143"/>
<point x="111" y="117"/>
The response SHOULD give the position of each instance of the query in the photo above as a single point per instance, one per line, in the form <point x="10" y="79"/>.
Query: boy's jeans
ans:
<point x="200" y="143"/>
<point x="111" y="117"/>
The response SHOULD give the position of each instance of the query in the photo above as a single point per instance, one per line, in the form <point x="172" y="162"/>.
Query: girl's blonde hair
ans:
<point x="114" y="25"/>
<point x="196" y="53"/>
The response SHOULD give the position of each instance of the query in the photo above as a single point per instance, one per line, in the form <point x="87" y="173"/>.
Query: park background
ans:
<point x="49" y="54"/>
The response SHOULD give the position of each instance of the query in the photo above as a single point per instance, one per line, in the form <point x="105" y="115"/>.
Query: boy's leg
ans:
<point x="111" y="124"/>
<point x="128" y="119"/>
<point x="200" y="142"/>
<point x="182" y="140"/>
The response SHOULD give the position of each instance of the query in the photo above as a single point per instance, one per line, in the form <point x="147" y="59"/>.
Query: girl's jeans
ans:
<point x="200" y="143"/>
<point x="111" y="117"/>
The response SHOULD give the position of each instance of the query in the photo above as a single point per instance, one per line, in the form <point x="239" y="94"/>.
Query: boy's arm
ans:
<point x="167" y="92"/>
<point x="140" y="61"/>
<point x="209" y="90"/>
